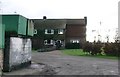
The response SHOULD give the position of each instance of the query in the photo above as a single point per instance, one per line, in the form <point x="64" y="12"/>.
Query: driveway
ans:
<point x="76" y="65"/>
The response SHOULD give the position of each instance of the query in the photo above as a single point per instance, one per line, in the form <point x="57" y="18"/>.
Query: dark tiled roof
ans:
<point x="56" y="23"/>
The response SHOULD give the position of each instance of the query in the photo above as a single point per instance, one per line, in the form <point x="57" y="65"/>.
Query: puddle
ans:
<point x="36" y="66"/>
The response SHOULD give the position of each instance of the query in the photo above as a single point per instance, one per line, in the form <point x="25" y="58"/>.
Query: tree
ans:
<point x="116" y="36"/>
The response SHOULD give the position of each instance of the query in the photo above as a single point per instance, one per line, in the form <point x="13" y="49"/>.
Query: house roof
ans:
<point x="49" y="23"/>
<point x="76" y="21"/>
<point x="56" y="23"/>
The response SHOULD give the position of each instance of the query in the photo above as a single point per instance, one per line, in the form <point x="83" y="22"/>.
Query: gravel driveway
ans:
<point x="76" y="65"/>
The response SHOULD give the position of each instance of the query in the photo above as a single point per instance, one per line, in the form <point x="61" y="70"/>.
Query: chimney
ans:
<point x="44" y="17"/>
<point x="85" y="18"/>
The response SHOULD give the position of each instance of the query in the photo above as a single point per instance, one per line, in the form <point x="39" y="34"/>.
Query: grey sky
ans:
<point x="105" y="11"/>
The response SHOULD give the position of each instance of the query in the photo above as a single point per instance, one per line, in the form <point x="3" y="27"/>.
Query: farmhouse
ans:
<point x="48" y="31"/>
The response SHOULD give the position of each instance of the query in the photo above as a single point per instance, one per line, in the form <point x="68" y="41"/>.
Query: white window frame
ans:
<point x="46" y="43"/>
<point x="60" y="31"/>
<point x="74" y="41"/>
<point x="46" y="31"/>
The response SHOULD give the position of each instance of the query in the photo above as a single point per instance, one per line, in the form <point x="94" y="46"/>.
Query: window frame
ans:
<point x="46" y="42"/>
<point x="74" y="41"/>
<point x="51" y="31"/>
<point x="60" y="30"/>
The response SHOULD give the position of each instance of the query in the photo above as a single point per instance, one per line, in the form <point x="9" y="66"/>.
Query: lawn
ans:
<point x="79" y="52"/>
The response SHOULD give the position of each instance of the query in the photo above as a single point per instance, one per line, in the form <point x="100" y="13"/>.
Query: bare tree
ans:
<point x="116" y="36"/>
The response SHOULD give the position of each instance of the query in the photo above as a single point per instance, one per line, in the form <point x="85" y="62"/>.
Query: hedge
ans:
<point x="72" y="46"/>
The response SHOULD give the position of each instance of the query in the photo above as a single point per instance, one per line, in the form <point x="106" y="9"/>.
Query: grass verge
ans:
<point x="79" y="52"/>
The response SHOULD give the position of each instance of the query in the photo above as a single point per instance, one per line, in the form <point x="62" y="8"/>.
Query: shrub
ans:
<point x="72" y="46"/>
<point x="111" y="49"/>
<point x="87" y="47"/>
<point x="96" y="48"/>
<point x="92" y="48"/>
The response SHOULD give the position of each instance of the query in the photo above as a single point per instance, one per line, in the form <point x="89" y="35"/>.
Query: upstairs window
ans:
<point x="49" y="31"/>
<point x="60" y="31"/>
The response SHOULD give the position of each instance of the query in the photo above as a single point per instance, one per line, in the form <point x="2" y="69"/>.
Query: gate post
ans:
<point x="15" y="42"/>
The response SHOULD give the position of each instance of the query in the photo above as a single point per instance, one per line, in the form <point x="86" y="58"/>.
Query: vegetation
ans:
<point x="80" y="52"/>
<point x="109" y="49"/>
<point x="72" y="45"/>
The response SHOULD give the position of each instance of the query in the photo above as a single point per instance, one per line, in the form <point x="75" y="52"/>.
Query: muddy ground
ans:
<point x="57" y="63"/>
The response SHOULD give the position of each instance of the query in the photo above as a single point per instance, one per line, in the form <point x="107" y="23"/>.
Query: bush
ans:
<point x="72" y="46"/>
<point x="96" y="49"/>
<point x="111" y="49"/>
<point x="87" y="47"/>
<point x="92" y="48"/>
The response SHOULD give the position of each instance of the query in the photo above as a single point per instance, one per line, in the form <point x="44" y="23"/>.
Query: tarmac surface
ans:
<point x="56" y="63"/>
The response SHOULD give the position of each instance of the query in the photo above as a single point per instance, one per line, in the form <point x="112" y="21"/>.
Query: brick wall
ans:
<point x="75" y="31"/>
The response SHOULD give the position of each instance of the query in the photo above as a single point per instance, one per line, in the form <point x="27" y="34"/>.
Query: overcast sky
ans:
<point x="105" y="11"/>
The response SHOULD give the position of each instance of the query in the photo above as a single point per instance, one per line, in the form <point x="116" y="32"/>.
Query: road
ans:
<point x="76" y="65"/>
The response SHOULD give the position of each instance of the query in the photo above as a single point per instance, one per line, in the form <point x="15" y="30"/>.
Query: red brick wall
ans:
<point x="75" y="30"/>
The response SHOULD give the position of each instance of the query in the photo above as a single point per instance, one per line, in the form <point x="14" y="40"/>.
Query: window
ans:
<point x="49" y="31"/>
<point x="35" y="31"/>
<point x="74" y="41"/>
<point x="60" y="31"/>
<point x="48" y="42"/>
<point x="59" y="41"/>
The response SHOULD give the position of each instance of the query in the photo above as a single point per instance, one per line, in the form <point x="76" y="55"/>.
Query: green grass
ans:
<point x="79" y="52"/>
